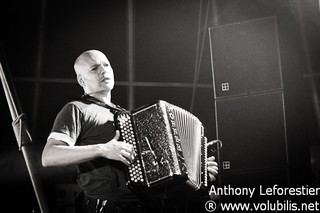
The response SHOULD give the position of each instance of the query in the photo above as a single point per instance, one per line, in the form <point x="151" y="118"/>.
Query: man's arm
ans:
<point x="59" y="153"/>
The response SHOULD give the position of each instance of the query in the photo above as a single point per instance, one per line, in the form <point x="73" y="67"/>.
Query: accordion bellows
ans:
<point x="169" y="142"/>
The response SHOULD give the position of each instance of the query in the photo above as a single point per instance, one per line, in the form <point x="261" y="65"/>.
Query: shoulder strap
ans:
<point x="89" y="99"/>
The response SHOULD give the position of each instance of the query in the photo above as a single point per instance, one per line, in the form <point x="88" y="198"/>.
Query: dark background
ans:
<point x="41" y="39"/>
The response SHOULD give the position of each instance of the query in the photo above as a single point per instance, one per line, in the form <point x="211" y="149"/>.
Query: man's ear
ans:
<point x="80" y="80"/>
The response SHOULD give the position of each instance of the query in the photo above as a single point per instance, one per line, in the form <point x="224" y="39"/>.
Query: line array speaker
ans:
<point x="248" y="99"/>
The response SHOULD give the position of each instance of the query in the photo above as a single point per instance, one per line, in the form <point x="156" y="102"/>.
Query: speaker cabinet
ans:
<point x="249" y="100"/>
<point x="252" y="130"/>
<point x="245" y="57"/>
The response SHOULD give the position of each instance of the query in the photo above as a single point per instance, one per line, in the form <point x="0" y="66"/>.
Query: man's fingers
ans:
<point x="212" y="163"/>
<point x="129" y="156"/>
<point x="129" y="148"/>
<point x="212" y="166"/>
<point x="126" y="146"/>
<point x="213" y="170"/>
<point x="124" y="160"/>
<point x="212" y="177"/>
<point x="117" y="136"/>
<point x="211" y="158"/>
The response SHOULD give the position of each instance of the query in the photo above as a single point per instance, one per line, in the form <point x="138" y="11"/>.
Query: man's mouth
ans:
<point x="105" y="79"/>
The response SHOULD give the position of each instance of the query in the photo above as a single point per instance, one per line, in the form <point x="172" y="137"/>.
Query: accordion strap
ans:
<point x="114" y="109"/>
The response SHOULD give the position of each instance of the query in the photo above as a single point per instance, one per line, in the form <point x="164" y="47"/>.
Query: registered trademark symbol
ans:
<point x="210" y="206"/>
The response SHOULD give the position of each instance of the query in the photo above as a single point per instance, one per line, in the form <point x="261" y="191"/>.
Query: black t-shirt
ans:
<point x="83" y="123"/>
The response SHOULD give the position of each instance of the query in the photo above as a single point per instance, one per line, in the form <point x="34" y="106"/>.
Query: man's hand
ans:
<point x="118" y="150"/>
<point x="212" y="168"/>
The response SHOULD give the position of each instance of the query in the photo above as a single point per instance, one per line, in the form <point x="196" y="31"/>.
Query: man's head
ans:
<point x="94" y="72"/>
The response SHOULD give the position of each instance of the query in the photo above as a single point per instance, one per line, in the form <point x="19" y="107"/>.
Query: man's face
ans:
<point x="95" y="72"/>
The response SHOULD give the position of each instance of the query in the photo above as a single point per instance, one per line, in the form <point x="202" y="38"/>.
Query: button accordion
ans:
<point x="170" y="146"/>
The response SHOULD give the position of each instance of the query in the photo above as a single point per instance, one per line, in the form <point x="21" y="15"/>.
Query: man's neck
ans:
<point x="104" y="97"/>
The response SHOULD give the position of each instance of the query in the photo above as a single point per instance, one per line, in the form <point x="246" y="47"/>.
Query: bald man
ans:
<point x="83" y="134"/>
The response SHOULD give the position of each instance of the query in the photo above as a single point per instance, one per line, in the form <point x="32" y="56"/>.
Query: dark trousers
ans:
<point x="107" y="206"/>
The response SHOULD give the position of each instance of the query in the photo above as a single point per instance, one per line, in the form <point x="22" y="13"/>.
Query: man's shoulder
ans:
<point x="75" y="104"/>
<point x="85" y="106"/>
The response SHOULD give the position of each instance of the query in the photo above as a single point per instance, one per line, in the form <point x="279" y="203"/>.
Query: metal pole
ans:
<point x="24" y="142"/>
<point x="312" y="76"/>
<point x="130" y="13"/>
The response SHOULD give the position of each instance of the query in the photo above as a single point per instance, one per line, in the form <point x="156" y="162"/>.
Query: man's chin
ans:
<point x="108" y="85"/>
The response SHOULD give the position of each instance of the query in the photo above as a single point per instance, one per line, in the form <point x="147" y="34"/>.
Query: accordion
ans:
<point x="170" y="146"/>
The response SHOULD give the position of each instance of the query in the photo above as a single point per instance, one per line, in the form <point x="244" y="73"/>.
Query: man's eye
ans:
<point x="106" y="65"/>
<point x="94" y="68"/>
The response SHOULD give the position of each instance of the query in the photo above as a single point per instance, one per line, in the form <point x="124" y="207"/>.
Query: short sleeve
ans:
<point x="67" y="125"/>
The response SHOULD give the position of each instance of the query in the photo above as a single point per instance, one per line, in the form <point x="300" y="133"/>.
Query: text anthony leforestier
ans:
<point x="264" y="191"/>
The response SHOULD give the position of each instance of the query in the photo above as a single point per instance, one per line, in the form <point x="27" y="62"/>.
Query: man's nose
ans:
<point x="103" y="69"/>
<point x="106" y="70"/>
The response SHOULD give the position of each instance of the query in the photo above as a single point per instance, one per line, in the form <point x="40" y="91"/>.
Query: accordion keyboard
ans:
<point x="126" y="130"/>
